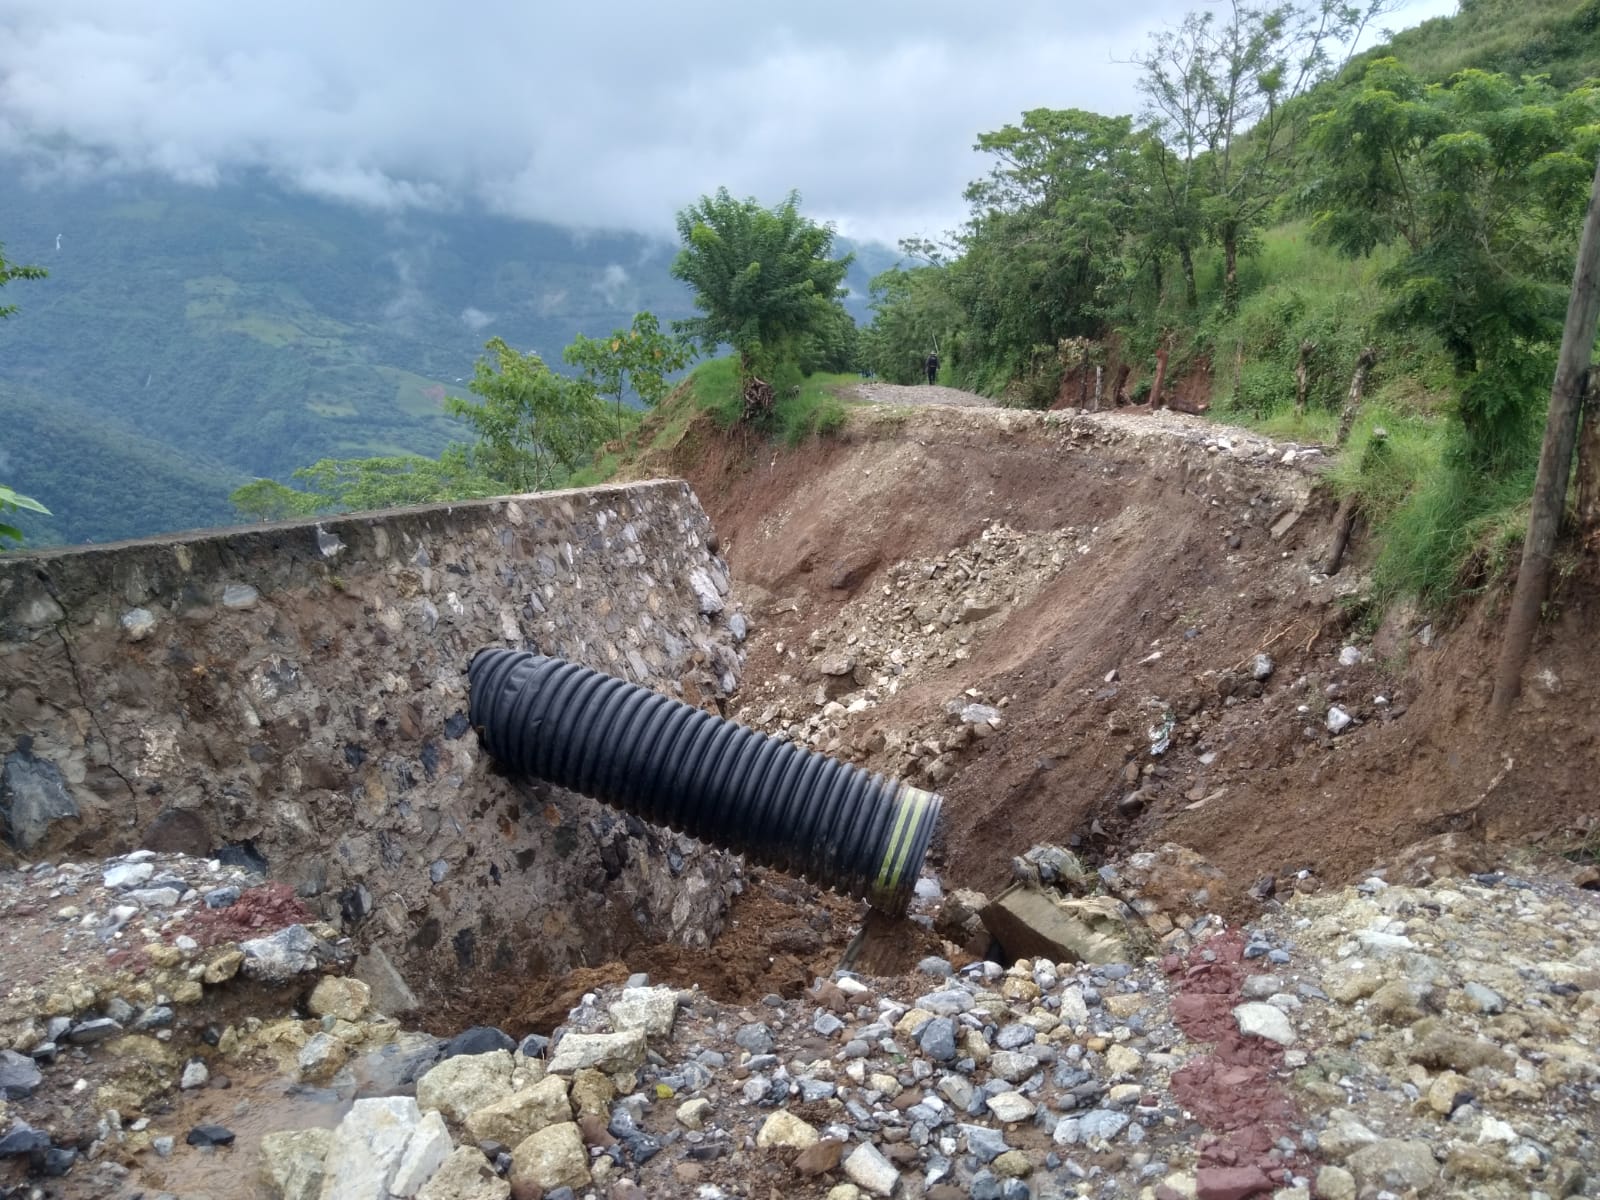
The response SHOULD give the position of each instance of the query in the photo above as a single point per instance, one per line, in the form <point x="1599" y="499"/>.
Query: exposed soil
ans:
<point x="1203" y="551"/>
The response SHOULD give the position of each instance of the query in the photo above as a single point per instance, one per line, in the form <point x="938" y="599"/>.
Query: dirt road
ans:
<point x="897" y="393"/>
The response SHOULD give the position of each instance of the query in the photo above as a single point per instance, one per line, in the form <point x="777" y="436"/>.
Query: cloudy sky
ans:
<point x="606" y="115"/>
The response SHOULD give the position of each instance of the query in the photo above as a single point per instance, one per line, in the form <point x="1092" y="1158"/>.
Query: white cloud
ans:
<point x="476" y="319"/>
<point x="558" y="111"/>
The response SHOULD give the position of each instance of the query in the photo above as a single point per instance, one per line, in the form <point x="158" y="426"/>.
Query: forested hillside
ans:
<point x="189" y="339"/>
<point x="1373" y="253"/>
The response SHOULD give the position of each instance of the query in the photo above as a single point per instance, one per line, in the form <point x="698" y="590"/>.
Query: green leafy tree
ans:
<point x="636" y="359"/>
<point x="363" y="484"/>
<point x="534" y="427"/>
<point x="10" y="501"/>
<point x="1225" y="93"/>
<point x="763" y="278"/>
<point x="10" y="271"/>
<point x="1041" y="253"/>
<point x="1483" y="181"/>
<point x="913" y="311"/>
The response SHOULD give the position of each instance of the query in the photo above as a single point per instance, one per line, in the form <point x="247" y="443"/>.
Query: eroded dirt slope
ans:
<point x="1100" y="588"/>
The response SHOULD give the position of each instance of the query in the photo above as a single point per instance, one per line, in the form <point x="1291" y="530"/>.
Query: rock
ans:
<point x="1485" y="999"/>
<point x="1335" y="1183"/>
<point x="195" y="1075"/>
<point x="1349" y="656"/>
<point x="460" y="1086"/>
<point x="1395" y="1165"/>
<point x="127" y="875"/>
<point x="335" y="996"/>
<point x="592" y="1092"/>
<point x="23" y="1139"/>
<point x="388" y="1068"/>
<point x="1230" y="1183"/>
<point x="210" y="1135"/>
<point x="33" y="796"/>
<point x="291" y="1162"/>
<point x="1010" y="1107"/>
<point x="652" y="1009"/>
<point x="692" y="1114"/>
<point x="938" y="1039"/>
<point x="390" y="993"/>
<point x="786" y="1131"/>
<point x="279" y="957"/>
<point x="480" y="1039"/>
<point x="867" y="1168"/>
<point x="367" y="1148"/>
<point x="1261" y="667"/>
<point x="551" y="1158"/>
<point x="517" y="1116"/>
<point x="1101" y="1123"/>
<point x="1438" y="1048"/>
<point x="613" y="1053"/>
<point x="321" y="1057"/>
<point x="465" y="1175"/>
<point x="1032" y="923"/>
<point x="86" y="1033"/>
<point x="222" y="897"/>
<point x="18" y="1076"/>
<point x="1264" y="1021"/>
<point x="756" y="1038"/>
<point x="1013" y="1164"/>
<point x="223" y="967"/>
<point x="239" y="596"/>
<point x="1338" y="719"/>
<point x="820" y="1158"/>
<point x="160" y="897"/>
<point x="138" y="624"/>
<point x="426" y="1151"/>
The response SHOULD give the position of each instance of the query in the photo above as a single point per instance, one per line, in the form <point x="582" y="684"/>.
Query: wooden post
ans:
<point x="1589" y="465"/>
<point x="1161" y="377"/>
<point x="1555" y="460"/>
<point x="1099" y="385"/>
<point x="1358" y="384"/>
<point x="1302" y="375"/>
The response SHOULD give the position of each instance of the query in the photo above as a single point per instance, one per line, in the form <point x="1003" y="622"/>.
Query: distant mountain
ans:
<point x="190" y="339"/>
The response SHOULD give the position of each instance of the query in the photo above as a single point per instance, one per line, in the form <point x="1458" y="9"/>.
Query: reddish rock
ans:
<point x="1230" y="1183"/>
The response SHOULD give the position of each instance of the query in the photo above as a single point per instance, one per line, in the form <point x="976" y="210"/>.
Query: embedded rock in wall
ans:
<point x="292" y="698"/>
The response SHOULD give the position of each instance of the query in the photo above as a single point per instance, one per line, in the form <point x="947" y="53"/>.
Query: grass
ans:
<point x="809" y="407"/>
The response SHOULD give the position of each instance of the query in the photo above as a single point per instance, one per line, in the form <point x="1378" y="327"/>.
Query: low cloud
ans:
<point x="869" y="110"/>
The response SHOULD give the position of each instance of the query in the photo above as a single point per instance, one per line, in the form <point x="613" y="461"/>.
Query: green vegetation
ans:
<point x="1273" y="220"/>
<point x="810" y="407"/>
<point x="10" y="501"/>
<point x="638" y="359"/>
<point x="765" y="283"/>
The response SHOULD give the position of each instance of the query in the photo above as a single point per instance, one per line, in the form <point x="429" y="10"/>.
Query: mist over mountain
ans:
<point x="191" y="338"/>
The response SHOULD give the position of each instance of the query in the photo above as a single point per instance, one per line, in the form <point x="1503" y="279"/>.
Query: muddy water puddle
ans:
<point x="251" y="1108"/>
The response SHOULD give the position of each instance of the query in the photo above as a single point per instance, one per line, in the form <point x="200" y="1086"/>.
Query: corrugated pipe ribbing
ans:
<point x="669" y="763"/>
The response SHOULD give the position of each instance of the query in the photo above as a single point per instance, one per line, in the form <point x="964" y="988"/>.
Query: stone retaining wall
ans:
<point x="293" y="695"/>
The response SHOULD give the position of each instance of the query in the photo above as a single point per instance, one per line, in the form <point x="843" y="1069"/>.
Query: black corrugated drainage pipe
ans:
<point x="672" y="764"/>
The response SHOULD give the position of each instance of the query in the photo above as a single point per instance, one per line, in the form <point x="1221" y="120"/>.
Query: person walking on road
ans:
<point x="932" y="365"/>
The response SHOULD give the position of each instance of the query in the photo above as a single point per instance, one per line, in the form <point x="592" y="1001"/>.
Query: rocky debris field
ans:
<point x="1382" y="1040"/>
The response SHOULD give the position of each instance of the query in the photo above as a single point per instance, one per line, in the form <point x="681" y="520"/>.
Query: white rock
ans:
<point x="367" y="1147"/>
<point x="425" y="1153"/>
<point x="239" y="595"/>
<point x="871" y="1171"/>
<point x="652" y="1009"/>
<point x="1338" y="720"/>
<point x="195" y="1075"/>
<point x="1264" y="1021"/>
<point x="127" y="875"/>
<point x="613" y="1053"/>
<point x="1349" y="656"/>
<point x="1009" y="1107"/>
<point x="1493" y="1130"/>
<point x="138" y="624"/>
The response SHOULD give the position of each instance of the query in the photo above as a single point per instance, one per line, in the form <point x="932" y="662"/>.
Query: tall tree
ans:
<point x="1224" y="94"/>
<point x="534" y="426"/>
<point x="763" y="278"/>
<point x="1483" y="181"/>
<point x="636" y="359"/>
